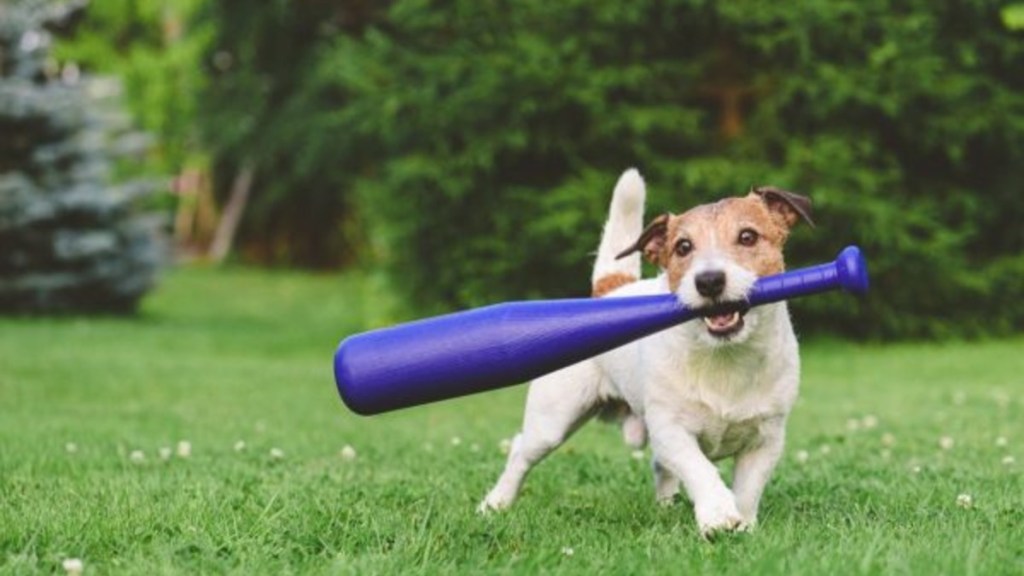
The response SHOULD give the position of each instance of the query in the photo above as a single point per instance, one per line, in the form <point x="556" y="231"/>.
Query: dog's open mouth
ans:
<point x="725" y="320"/>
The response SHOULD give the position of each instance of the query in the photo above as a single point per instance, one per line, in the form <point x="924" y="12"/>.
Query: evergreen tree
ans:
<point x="72" y="239"/>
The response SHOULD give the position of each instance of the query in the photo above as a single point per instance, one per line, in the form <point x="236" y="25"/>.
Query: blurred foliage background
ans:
<point x="469" y="148"/>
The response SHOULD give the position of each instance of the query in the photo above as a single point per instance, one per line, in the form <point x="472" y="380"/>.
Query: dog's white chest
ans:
<point x="728" y="402"/>
<point x="722" y="439"/>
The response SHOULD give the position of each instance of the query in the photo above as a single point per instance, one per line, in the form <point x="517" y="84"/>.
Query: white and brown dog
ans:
<point x="702" y="391"/>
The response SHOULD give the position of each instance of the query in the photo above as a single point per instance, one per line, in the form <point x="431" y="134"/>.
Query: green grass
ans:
<point x="221" y="357"/>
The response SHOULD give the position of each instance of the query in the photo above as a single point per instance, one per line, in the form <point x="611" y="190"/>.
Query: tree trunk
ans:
<point x="232" y="216"/>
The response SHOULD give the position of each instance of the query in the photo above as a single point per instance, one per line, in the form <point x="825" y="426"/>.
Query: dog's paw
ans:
<point x="665" y="491"/>
<point x="718" y="516"/>
<point x="665" y="501"/>
<point x="493" y="503"/>
<point x="748" y="525"/>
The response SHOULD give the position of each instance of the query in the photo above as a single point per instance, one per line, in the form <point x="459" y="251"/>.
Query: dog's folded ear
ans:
<point x="790" y="206"/>
<point x="651" y="241"/>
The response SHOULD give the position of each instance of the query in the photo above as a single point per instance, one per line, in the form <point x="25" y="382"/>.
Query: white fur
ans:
<point x="701" y="398"/>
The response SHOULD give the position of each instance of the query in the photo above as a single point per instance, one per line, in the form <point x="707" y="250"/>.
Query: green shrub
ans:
<point x="498" y="132"/>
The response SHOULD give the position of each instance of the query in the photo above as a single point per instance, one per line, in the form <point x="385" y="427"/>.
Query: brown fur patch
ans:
<point x="769" y="212"/>
<point x="717" y="226"/>
<point x="609" y="282"/>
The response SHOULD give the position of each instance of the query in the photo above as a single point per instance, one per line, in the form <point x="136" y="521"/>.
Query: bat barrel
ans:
<point x="505" y="344"/>
<point x="487" y="348"/>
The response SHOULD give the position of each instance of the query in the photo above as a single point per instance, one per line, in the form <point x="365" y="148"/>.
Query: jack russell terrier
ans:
<point x="701" y="391"/>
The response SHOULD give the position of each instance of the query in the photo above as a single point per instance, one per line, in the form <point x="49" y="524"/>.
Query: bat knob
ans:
<point x="852" y="270"/>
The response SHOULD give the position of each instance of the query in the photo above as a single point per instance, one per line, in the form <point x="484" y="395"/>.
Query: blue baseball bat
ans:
<point x="505" y="344"/>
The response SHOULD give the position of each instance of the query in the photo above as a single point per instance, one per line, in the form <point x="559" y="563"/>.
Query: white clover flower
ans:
<point x="73" y="566"/>
<point x="853" y="424"/>
<point x="825" y="449"/>
<point x="184" y="449"/>
<point x="71" y="447"/>
<point x="276" y="453"/>
<point x="915" y="469"/>
<point x="348" y="452"/>
<point x="456" y="441"/>
<point x="946" y="443"/>
<point x="239" y="446"/>
<point x="965" y="501"/>
<point x="1002" y="441"/>
<point x="165" y="453"/>
<point x="137" y="456"/>
<point x="802" y="456"/>
<point x="1008" y="460"/>
<point x="870" y="421"/>
<point x="637" y="454"/>
<point x="888" y="439"/>
<point x="505" y="446"/>
<point x="567" y="551"/>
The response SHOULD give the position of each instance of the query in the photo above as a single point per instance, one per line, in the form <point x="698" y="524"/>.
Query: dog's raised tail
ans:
<point x="624" y="225"/>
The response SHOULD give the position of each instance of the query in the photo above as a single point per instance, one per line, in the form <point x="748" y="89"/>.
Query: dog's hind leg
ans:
<point x="556" y="406"/>
<point x="666" y="484"/>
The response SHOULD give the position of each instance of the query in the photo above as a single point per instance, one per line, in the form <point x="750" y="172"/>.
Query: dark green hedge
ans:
<point x="489" y="134"/>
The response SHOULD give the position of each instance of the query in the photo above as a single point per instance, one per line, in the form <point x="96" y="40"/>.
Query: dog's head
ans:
<point x="712" y="254"/>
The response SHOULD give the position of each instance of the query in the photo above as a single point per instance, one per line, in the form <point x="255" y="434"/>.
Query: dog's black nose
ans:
<point x="710" y="283"/>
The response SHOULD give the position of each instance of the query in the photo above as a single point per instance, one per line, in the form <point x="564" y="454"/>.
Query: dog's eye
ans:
<point x="748" y="237"/>
<point x="684" y="247"/>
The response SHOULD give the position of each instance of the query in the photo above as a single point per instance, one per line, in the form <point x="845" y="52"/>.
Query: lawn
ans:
<point x="206" y="436"/>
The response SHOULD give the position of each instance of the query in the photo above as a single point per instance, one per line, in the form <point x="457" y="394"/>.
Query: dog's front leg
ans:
<point x="677" y="450"/>
<point x="753" y="469"/>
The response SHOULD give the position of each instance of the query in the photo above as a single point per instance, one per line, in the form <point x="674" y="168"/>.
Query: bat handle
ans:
<point x="848" y="271"/>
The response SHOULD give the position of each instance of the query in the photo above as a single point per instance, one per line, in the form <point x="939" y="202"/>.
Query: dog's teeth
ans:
<point x="722" y="321"/>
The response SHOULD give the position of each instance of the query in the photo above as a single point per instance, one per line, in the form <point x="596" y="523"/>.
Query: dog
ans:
<point x="714" y="388"/>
